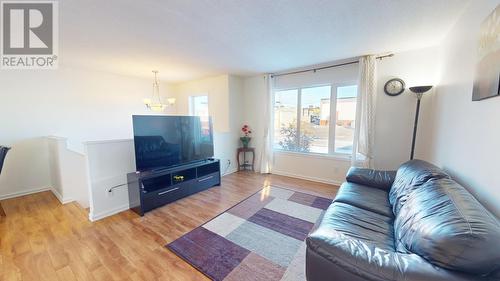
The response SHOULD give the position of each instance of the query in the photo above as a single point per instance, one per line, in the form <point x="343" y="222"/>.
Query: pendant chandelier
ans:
<point x="155" y="103"/>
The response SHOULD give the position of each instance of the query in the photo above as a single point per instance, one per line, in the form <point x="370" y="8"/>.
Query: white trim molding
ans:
<point x="62" y="199"/>
<point x="95" y="217"/>
<point x="59" y="197"/>
<point x="106" y="141"/>
<point x="23" y="193"/>
<point x="230" y="171"/>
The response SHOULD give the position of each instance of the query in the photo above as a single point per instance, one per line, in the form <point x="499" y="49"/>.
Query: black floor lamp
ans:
<point x="419" y="91"/>
<point x="3" y="153"/>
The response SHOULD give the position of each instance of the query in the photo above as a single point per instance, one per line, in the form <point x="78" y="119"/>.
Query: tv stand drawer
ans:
<point x="166" y="192"/>
<point x="205" y="182"/>
<point x="161" y="197"/>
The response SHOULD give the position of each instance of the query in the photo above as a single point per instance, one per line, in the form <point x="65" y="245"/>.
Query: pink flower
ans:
<point x="246" y="130"/>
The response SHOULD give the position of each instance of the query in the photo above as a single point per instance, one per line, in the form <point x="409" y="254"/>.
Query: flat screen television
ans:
<point x="166" y="141"/>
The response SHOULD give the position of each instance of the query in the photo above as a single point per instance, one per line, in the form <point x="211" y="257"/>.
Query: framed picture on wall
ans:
<point x="487" y="78"/>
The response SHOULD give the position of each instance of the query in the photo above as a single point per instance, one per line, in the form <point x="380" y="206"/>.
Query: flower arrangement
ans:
<point x="246" y="130"/>
<point x="245" y="139"/>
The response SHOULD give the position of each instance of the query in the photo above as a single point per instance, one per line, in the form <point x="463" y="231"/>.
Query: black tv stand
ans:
<point x="151" y="189"/>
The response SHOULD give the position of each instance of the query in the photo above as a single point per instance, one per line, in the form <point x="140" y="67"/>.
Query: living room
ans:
<point x="287" y="130"/>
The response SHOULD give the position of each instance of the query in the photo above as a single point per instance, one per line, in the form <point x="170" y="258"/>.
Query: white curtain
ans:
<point x="266" y="156"/>
<point x="364" y="137"/>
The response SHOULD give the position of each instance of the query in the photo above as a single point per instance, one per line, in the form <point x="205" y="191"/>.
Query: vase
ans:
<point x="245" y="141"/>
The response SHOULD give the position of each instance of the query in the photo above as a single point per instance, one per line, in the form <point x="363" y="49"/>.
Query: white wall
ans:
<point x="226" y="108"/>
<point x="69" y="172"/>
<point x="465" y="135"/>
<point x="73" y="103"/>
<point x="26" y="168"/>
<point x="109" y="162"/>
<point x="217" y="89"/>
<point x="254" y="89"/>
<point x="395" y="115"/>
<point x="394" y="120"/>
<point x="92" y="112"/>
<point x="236" y="114"/>
<point x="83" y="105"/>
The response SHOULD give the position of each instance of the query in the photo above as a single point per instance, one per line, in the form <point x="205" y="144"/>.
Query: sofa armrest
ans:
<point x="369" y="177"/>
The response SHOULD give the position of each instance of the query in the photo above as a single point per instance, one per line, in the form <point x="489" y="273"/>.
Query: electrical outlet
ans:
<point x="226" y="168"/>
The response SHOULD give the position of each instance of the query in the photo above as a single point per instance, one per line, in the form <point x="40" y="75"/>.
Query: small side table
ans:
<point x="244" y="150"/>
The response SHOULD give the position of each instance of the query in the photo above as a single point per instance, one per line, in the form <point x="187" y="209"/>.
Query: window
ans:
<point x="345" y="118"/>
<point x="285" y="120"/>
<point x="315" y="119"/>
<point x="198" y="106"/>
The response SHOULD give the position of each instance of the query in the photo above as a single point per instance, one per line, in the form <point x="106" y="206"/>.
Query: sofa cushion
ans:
<point x="412" y="175"/>
<point x="365" y="197"/>
<point x="360" y="227"/>
<point x="447" y="226"/>
<point x="351" y="242"/>
<point x="375" y="178"/>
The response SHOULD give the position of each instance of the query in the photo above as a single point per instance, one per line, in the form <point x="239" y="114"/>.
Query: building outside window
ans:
<point x="318" y="120"/>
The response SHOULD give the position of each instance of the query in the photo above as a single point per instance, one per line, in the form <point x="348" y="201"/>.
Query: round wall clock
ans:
<point x="394" y="87"/>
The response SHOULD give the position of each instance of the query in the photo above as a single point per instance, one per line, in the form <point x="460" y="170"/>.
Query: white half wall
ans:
<point x="69" y="172"/>
<point x="77" y="104"/>
<point x="464" y="136"/>
<point x="109" y="162"/>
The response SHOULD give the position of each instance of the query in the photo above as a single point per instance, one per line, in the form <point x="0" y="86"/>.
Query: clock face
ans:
<point x="394" y="87"/>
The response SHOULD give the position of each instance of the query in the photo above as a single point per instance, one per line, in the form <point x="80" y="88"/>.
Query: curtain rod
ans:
<point x="326" y="67"/>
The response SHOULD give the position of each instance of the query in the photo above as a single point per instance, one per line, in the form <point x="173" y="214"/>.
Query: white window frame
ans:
<point x="333" y="118"/>
<point x="191" y="103"/>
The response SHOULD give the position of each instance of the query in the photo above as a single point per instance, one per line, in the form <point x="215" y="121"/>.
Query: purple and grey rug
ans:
<point x="261" y="238"/>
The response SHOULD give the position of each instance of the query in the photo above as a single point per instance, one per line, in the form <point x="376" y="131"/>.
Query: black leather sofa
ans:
<point x="415" y="224"/>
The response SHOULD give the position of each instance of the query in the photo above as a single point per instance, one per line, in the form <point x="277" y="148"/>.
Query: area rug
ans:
<point x="261" y="238"/>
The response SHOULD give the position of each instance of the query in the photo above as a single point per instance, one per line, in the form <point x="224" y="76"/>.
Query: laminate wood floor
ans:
<point x="40" y="239"/>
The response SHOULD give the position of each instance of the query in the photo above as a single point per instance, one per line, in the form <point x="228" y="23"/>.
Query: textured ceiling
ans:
<point x="187" y="39"/>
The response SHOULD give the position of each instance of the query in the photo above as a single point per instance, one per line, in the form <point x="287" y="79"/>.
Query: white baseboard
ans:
<point x="230" y="172"/>
<point x="62" y="199"/>
<point x="95" y="217"/>
<point x="315" y="179"/>
<point x="23" y="193"/>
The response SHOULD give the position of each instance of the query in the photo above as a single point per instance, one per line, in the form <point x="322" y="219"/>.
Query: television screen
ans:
<point x="166" y="141"/>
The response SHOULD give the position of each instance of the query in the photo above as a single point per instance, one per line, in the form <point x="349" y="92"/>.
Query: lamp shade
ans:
<point x="420" y="89"/>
